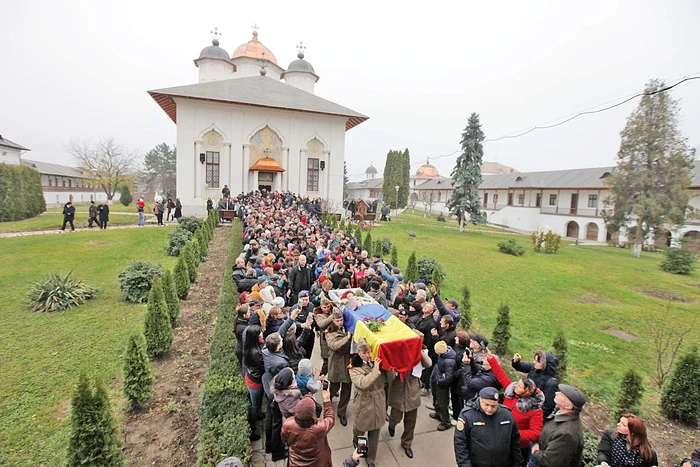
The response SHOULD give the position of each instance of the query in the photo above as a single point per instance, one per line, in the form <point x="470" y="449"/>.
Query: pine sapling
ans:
<point x="138" y="378"/>
<point x="189" y="259"/>
<point x="182" y="278"/>
<point x="157" y="329"/>
<point x="438" y="277"/>
<point x="466" y="308"/>
<point x="170" y="292"/>
<point x="630" y="396"/>
<point x="367" y="245"/>
<point x="501" y="334"/>
<point x="680" y="398"/>
<point x="561" y="350"/>
<point x="394" y="256"/>
<point x="412" y="268"/>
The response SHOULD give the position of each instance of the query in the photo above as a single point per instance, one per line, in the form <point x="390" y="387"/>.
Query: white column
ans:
<point x="284" y="176"/>
<point x="227" y="167"/>
<point x="255" y="179"/>
<point x="327" y="175"/>
<point x="301" y="184"/>
<point x="244" y="169"/>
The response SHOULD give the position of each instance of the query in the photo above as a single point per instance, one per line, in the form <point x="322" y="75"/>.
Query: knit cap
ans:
<point x="306" y="409"/>
<point x="283" y="379"/>
<point x="440" y="347"/>
<point x="305" y="367"/>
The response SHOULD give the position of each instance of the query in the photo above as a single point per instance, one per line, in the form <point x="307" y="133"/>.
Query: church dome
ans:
<point x="301" y="66"/>
<point x="427" y="170"/>
<point x="214" y="52"/>
<point x="371" y="170"/>
<point x="254" y="49"/>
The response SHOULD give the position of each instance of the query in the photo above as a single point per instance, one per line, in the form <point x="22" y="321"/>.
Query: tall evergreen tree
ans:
<point x="630" y="396"/>
<point x="412" y="268"/>
<point x="501" y="334"/>
<point x="465" y="202"/>
<point x="138" y="378"/>
<point x="125" y="195"/>
<point x="160" y="173"/>
<point x="394" y="256"/>
<point x="466" y="310"/>
<point x="182" y="278"/>
<point x="95" y="438"/>
<point x="561" y="350"/>
<point x="649" y="185"/>
<point x="405" y="179"/>
<point x="170" y="292"/>
<point x="157" y="329"/>
<point x="346" y="179"/>
<point x="389" y="180"/>
<point x="367" y="245"/>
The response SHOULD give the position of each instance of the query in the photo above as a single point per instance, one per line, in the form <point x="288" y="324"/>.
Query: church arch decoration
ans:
<point x="212" y="128"/>
<point x="266" y="143"/>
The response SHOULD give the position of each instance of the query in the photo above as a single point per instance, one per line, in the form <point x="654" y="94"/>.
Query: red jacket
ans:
<point x="530" y="422"/>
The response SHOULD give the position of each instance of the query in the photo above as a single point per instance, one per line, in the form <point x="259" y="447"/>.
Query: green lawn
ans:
<point x="583" y="290"/>
<point x="54" y="221"/>
<point x="41" y="355"/>
<point x="84" y="207"/>
<point x="421" y="218"/>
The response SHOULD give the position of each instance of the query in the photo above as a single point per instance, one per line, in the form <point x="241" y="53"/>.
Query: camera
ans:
<point x="325" y="385"/>
<point x="362" y="448"/>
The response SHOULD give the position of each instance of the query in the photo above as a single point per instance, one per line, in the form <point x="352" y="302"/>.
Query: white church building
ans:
<point x="250" y="124"/>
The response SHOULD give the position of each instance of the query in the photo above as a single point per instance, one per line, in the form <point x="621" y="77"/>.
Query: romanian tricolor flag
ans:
<point x="396" y="344"/>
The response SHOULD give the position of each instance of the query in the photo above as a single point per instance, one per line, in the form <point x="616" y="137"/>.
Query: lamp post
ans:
<point x="396" y="206"/>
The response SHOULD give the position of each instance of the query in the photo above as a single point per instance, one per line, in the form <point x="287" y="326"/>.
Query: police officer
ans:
<point x="486" y="434"/>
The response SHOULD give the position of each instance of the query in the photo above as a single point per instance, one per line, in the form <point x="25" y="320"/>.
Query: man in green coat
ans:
<point x="561" y="441"/>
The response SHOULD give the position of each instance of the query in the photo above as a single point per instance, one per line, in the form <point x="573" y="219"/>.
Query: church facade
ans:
<point x="252" y="125"/>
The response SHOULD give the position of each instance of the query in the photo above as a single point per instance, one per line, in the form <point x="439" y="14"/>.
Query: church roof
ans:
<point x="300" y="66"/>
<point x="427" y="170"/>
<point x="267" y="164"/>
<point x="496" y="168"/>
<point x="213" y="52"/>
<point x="56" y="169"/>
<point x="370" y="184"/>
<point x="371" y="170"/>
<point x="10" y="144"/>
<point x="254" y="49"/>
<point x="258" y="91"/>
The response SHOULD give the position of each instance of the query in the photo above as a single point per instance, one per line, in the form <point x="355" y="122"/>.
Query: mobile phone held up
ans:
<point x="325" y="385"/>
<point x="362" y="448"/>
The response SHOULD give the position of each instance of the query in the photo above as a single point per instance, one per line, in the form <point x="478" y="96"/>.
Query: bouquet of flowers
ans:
<point x="374" y="324"/>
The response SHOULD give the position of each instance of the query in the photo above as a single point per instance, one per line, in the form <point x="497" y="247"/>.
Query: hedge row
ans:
<point x="21" y="195"/>
<point x="223" y="413"/>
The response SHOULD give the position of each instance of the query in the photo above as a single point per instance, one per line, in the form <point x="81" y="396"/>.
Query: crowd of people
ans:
<point x="291" y="262"/>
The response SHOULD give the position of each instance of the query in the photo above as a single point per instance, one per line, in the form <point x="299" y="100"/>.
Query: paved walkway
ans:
<point x="430" y="447"/>
<point x="58" y="231"/>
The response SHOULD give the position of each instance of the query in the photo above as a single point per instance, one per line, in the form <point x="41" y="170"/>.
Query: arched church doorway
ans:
<point x="265" y="180"/>
<point x="592" y="231"/>
<point x="663" y="240"/>
<point x="572" y="229"/>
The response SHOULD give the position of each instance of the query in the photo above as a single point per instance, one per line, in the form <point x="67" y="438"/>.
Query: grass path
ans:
<point x="43" y="354"/>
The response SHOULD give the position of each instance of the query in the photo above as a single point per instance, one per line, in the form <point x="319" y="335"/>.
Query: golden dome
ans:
<point x="254" y="49"/>
<point x="427" y="171"/>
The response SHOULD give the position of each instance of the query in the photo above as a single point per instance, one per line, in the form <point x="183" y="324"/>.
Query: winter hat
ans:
<point x="231" y="462"/>
<point x="440" y="347"/>
<point x="278" y="302"/>
<point x="420" y="286"/>
<point x="277" y="266"/>
<point x="284" y="379"/>
<point x="489" y="392"/>
<point x="306" y="409"/>
<point x="362" y="345"/>
<point x="453" y="302"/>
<point x="261" y="281"/>
<point x="479" y="338"/>
<point x="305" y="367"/>
<point x="574" y="395"/>
<point x="304" y="293"/>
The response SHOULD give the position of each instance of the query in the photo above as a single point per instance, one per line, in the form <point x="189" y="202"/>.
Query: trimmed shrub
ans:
<point x="561" y="350"/>
<point x="511" y="247"/>
<point x="680" y="397"/>
<point x="59" y="292"/>
<point x="135" y="281"/>
<point x="501" y="334"/>
<point x="630" y="396"/>
<point x="678" y="261"/>
<point x="548" y="243"/>
<point x="441" y="218"/>
<point x="367" y="244"/>
<point x="376" y="248"/>
<point x="203" y="244"/>
<point x="21" y="195"/>
<point x="138" y="379"/>
<point x="425" y="268"/>
<point x="196" y="251"/>
<point x="411" y="269"/>
<point x="170" y="292"/>
<point x="182" y="278"/>
<point x="177" y="239"/>
<point x="223" y="438"/>
<point x="358" y="235"/>
<point x="188" y="255"/>
<point x="190" y="223"/>
<point x="438" y="277"/>
<point x="125" y="196"/>
<point x="95" y="438"/>
<point x="157" y="329"/>
<point x="466" y="308"/>
<point x="590" y="448"/>
<point x="394" y="256"/>
<point x="386" y="245"/>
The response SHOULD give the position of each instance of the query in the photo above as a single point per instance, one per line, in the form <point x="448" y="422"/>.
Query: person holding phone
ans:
<point x="307" y="436"/>
<point x="370" y="398"/>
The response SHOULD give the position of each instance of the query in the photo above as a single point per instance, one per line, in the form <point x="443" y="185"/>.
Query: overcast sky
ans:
<point x="81" y="70"/>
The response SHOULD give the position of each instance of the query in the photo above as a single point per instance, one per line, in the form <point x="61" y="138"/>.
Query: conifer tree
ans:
<point x="170" y="292"/>
<point x="501" y="334"/>
<point x="465" y="202"/>
<point x="411" y="269"/>
<point x="438" y="277"/>
<point x="680" y="397"/>
<point x="182" y="278"/>
<point x="196" y="251"/>
<point x="405" y="179"/>
<point x="367" y="245"/>
<point x="630" y="396"/>
<point x="394" y="256"/>
<point x="138" y="379"/>
<point x="376" y="248"/>
<point x="189" y="259"/>
<point x="466" y="308"/>
<point x="95" y="438"/>
<point x="157" y="329"/>
<point x="358" y="235"/>
<point x="561" y="350"/>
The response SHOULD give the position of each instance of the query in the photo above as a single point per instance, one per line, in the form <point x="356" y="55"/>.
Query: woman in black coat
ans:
<point x="68" y="216"/>
<point x="255" y="368"/>
<point x="103" y="211"/>
<point x="178" y="209"/>
<point x="239" y="325"/>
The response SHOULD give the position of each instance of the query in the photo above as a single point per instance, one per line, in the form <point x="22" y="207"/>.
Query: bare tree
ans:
<point x="426" y="198"/>
<point x="667" y="341"/>
<point x="108" y="161"/>
<point x="413" y="201"/>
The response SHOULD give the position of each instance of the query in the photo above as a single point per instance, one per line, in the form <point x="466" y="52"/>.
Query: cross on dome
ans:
<point x="255" y="29"/>
<point x="215" y="36"/>
<point x="301" y="48"/>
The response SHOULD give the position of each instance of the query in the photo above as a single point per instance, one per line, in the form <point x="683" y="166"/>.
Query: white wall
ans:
<point x="237" y="124"/>
<point x="62" y="197"/>
<point x="303" y="81"/>
<point x="247" y="66"/>
<point x="214" y="70"/>
<point x="9" y="156"/>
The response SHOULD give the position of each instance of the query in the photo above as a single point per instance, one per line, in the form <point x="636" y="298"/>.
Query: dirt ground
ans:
<point x="165" y="433"/>
<point x="671" y="441"/>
